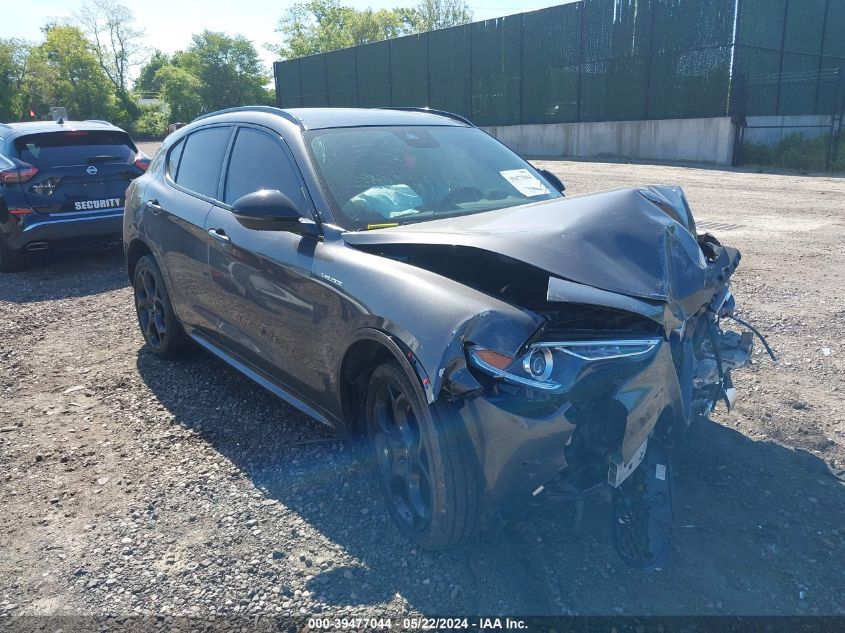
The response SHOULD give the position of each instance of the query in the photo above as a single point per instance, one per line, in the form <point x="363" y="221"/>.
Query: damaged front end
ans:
<point x="612" y="380"/>
<point x="634" y="346"/>
<point x="603" y="389"/>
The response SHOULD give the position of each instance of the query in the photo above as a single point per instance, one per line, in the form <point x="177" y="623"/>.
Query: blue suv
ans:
<point x="62" y="185"/>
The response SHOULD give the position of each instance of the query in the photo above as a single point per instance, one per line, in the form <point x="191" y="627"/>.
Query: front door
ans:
<point x="266" y="306"/>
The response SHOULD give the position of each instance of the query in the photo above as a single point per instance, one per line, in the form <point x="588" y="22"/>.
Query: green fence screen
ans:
<point x="596" y="60"/>
<point x="790" y="57"/>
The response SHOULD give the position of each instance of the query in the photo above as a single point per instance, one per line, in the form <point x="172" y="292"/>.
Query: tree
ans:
<point x="229" y="70"/>
<point x="374" y="26"/>
<point x="117" y="43"/>
<point x="147" y="82"/>
<point x="152" y="122"/>
<point x="319" y="26"/>
<point x="180" y="91"/>
<point x="440" y="14"/>
<point x="64" y="71"/>
<point x="14" y="58"/>
<point x="216" y="71"/>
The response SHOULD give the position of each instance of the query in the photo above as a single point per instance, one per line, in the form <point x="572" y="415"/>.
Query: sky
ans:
<point x="169" y="24"/>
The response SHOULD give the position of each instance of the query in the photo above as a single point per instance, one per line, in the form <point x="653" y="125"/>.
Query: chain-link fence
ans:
<point x="788" y="83"/>
<point x="809" y="142"/>
<point x="789" y="52"/>
<point x="593" y="60"/>
<point x="796" y="141"/>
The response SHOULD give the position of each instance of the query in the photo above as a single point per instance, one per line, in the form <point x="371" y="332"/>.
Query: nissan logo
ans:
<point x="91" y="170"/>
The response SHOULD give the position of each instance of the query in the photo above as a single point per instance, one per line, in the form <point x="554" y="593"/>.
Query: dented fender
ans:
<point x="431" y="316"/>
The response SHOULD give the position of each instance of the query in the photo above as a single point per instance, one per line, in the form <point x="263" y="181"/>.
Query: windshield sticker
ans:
<point x="524" y="182"/>
<point x="385" y="225"/>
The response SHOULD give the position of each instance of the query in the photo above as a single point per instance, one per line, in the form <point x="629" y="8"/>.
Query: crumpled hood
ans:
<point x="637" y="242"/>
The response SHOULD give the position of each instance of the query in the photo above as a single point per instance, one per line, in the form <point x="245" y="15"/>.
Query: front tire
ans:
<point x="423" y="460"/>
<point x="159" y="324"/>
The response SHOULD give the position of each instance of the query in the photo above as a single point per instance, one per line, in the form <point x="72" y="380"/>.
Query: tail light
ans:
<point x="142" y="161"/>
<point x="19" y="212"/>
<point x="24" y="172"/>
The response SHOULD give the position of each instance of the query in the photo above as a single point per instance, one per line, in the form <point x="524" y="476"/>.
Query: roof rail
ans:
<point x="268" y="109"/>
<point x="443" y="113"/>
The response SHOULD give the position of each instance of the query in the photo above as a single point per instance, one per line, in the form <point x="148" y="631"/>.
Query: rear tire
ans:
<point x="423" y="460"/>
<point x="159" y="324"/>
<point x="11" y="259"/>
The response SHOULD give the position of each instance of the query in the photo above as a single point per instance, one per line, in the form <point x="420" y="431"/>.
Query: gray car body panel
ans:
<point x="433" y="316"/>
<point x="634" y="251"/>
<point x="617" y="241"/>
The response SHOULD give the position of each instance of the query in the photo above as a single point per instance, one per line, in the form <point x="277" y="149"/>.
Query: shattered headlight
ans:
<point x="536" y="367"/>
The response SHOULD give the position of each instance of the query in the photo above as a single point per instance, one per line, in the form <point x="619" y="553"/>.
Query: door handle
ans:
<point x="219" y="235"/>
<point x="154" y="206"/>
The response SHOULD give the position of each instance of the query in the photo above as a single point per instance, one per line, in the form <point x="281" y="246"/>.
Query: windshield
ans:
<point x="385" y="176"/>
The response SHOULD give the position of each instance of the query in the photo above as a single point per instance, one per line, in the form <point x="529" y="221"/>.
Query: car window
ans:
<point x="396" y="175"/>
<point x="75" y="147"/>
<point x="202" y="158"/>
<point x="259" y="162"/>
<point x="173" y="158"/>
<point x="156" y="161"/>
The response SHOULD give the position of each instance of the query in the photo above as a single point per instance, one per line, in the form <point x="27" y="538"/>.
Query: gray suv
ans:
<point x="403" y="276"/>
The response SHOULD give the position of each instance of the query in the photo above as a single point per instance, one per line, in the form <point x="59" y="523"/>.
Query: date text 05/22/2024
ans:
<point x="417" y="624"/>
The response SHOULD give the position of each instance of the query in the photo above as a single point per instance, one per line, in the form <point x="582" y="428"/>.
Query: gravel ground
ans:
<point x="132" y="485"/>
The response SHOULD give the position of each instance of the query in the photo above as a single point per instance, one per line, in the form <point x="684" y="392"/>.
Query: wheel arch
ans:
<point x="366" y="350"/>
<point x="136" y="250"/>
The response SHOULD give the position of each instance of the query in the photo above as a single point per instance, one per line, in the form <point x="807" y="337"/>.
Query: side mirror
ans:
<point x="554" y="181"/>
<point x="271" y="210"/>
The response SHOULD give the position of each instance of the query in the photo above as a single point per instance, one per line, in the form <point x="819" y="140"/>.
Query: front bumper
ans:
<point x="523" y="440"/>
<point x="68" y="230"/>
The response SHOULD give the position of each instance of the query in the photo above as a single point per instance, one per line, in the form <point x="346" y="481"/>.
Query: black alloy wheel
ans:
<point x="159" y="324"/>
<point x="423" y="459"/>
<point x="150" y="309"/>
<point x="401" y="455"/>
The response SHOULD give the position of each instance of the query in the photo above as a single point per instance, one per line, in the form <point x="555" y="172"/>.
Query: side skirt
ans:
<point x="262" y="380"/>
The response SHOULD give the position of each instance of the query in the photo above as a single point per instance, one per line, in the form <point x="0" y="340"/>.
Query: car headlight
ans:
<point x="536" y="367"/>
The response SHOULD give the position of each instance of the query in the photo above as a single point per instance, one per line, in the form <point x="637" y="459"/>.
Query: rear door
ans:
<point x="79" y="171"/>
<point x="174" y="212"/>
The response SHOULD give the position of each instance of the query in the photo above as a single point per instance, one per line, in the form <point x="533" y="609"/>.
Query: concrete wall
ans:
<point x="696" y="140"/>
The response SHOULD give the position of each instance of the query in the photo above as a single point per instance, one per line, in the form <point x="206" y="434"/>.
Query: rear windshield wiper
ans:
<point x="103" y="158"/>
